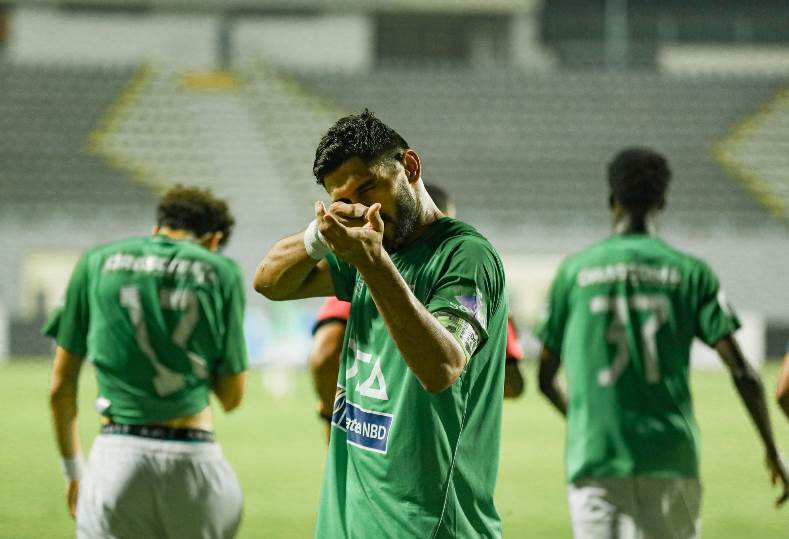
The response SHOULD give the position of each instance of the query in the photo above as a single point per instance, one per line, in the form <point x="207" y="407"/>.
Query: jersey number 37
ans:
<point x="655" y="308"/>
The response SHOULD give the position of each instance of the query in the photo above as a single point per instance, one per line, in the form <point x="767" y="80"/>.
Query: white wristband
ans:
<point x="314" y="242"/>
<point x="72" y="468"/>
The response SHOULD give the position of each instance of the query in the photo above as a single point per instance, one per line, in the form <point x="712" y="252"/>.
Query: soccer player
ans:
<point x="417" y="416"/>
<point x="782" y="395"/>
<point x="621" y="318"/>
<point x="329" y="329"/>
<point x="161" y="319"/>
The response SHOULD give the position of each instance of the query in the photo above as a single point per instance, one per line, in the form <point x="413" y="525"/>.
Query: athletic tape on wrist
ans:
<point x="314" y="242"/>
<point x="72" y="468"/>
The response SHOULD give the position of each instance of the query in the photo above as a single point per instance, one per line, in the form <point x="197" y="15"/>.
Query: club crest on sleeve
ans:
<point x="474" y="304"/>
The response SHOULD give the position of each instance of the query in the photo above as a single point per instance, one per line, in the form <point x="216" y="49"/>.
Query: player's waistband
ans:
<point x="158" y="432"/>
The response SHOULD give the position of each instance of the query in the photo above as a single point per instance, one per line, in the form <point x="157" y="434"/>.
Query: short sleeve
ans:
<point x="234" y="359"/>
<point x="514" y="348"/>
<point x="343" y="276"/>
<point x="550" y="331"/>
<point x="332" y="310"/>
<point x="470" y="284"/>
<point x="715" y="318"/>
<point x="69" y="323"/>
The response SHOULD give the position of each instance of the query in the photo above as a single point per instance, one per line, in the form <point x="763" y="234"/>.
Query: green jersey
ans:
<point x="622" y="315"/>
<point x="404" y="462"/>
<point x="159" y="318"/>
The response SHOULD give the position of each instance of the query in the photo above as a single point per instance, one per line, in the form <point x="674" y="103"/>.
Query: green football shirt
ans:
<point x="404" y="462"/>
<point x="622" y="315"/>
<point x="159" y="318"/>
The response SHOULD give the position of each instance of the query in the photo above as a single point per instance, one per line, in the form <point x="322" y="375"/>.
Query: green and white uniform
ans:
<point x="404" y="462"/>
<point x="622" y="315"/>
<point x="159" y="318"/>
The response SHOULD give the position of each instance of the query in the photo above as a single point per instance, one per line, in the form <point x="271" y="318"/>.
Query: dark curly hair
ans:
<point x="639" y="179"/>
<point x="196" y="210"/>
<point x="358" y="135"/>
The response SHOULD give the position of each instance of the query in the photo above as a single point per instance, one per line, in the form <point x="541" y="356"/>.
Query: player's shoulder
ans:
<point x="131" y="244"/>
<point x="455" y="235"/>
<point x="636" y="248"/>
<point x="223" y="264"/>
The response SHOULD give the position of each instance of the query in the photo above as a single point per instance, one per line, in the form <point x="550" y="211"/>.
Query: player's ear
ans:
<point x="412" y="165"/>
<point x="155" y="230"/>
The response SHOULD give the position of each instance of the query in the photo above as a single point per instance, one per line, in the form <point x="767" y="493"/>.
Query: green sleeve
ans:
<point x="469" y="284"/>
<point x="550" y="331"/>
<point x="234" y="360"/>
<point x="68" y="324"/>
<point x="343" y="275"/>
<point x="715" y="318"/>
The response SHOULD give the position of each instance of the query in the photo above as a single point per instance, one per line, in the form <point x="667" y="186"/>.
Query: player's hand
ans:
<point x="72" y="492"/>
<point x="360" y="246"/>
<point x="778" y="475"/>
<point x="349" y="215"/>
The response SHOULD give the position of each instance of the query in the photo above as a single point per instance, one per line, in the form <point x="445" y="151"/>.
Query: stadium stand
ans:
<point x="548" y="135"/>
<point x="47" y="113"/>
<point x="757" y="151"/>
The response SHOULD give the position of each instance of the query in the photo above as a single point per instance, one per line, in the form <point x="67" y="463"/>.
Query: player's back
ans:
<point x="163" y="316"/>
<point x="633" y="306"/>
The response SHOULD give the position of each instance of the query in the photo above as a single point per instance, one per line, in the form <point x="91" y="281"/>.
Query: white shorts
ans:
<point x="136" y="487"/>
<point x="638" y="507"/>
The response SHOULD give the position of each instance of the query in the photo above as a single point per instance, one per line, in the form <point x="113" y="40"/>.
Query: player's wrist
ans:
<point x="72" y="467"/>
<point x="314" y="242"/>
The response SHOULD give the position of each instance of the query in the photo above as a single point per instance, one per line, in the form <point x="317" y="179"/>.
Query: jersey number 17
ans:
<point x="166" y="380"/>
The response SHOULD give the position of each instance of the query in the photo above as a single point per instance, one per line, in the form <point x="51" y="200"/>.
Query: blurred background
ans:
<point x="515" y="107"/>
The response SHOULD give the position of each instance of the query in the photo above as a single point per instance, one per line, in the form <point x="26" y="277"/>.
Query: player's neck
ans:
<point x="428" y="214"/>
<point x="626" y="223"/>
<point x="175" y="233"/>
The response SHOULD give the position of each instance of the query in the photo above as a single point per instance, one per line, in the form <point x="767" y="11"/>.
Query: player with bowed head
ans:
<point x="621" y="318"/>
<point x="417" y="416"/>
<point x="329" y="330"/>
<point x="161" y="319"/>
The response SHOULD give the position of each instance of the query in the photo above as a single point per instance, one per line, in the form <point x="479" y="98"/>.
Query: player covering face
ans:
<point x="161" y="319"/>
<point x="621" y="318"/>
<point x="329" y="330"/>
<point x="416" y="417"/>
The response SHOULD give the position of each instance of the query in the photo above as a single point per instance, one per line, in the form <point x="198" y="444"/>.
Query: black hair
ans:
<point x="639" y="179"/>
<point x="439" y="196"/>
<point x="196" y="210"/>
<point x="358" y="135"/>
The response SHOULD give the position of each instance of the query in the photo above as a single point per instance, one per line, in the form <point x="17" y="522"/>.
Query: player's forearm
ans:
<point x="324" y="380"/>
<point x="63" y="401"/>
<point x="751" y="391"/>
<point x="63" y="405"/>
<point x="513" y="380"/>
<point x="284" y="269"/>
<point x="547" y="379"/>
<point x="429" y="350"/>
<point x="782" y="392"/>
<point x="555" y="396"/>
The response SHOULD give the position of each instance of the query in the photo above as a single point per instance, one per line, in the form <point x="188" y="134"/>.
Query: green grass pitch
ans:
<point x="277" y="449"/>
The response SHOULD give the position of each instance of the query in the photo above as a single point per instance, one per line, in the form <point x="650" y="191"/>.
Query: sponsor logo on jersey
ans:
<point x="364" y="429"/>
